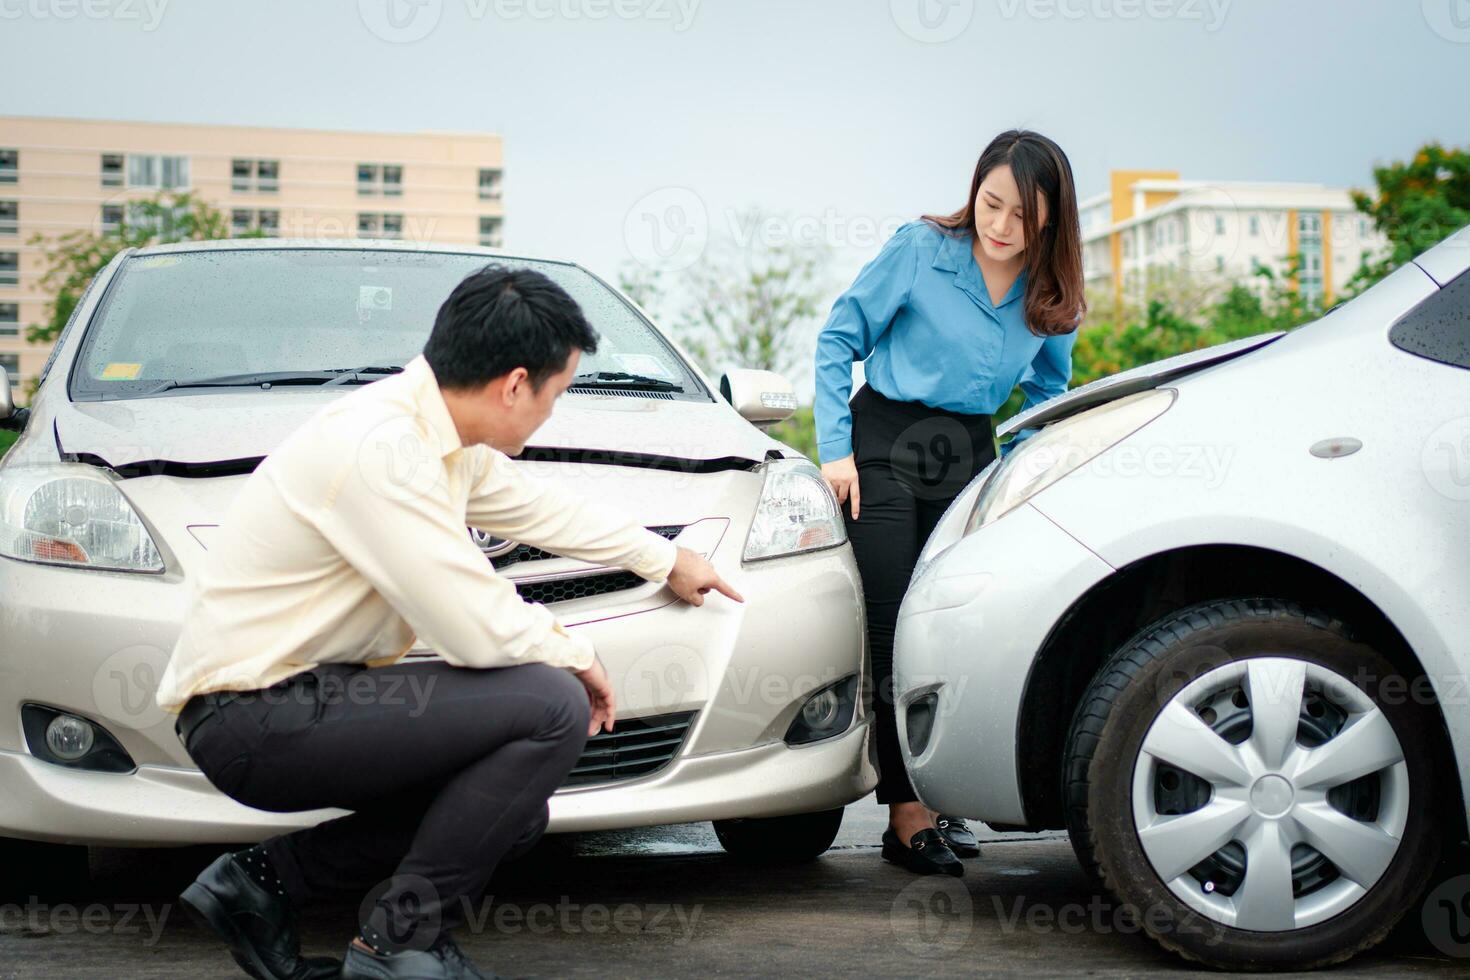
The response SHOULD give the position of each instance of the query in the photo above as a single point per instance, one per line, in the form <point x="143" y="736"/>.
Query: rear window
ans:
<point x="1439" y="327"/>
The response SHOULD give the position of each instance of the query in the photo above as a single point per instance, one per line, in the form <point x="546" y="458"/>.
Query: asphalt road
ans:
<point x="666" y="902"/>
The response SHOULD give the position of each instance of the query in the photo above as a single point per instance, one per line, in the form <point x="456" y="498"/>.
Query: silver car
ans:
<point x="184" y="365"/>
<point x="1212" y="619"/>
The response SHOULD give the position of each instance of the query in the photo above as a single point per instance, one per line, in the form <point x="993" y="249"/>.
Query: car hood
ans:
<point x="1141" y="378"/>
<point x="204" y="430"/>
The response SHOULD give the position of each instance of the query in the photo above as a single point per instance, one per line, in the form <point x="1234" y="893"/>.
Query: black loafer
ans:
<point x="961" y="838"/>
<point x="442" y="959"/>
<point x="259" y="927"/>
<point x="927" y="853"/>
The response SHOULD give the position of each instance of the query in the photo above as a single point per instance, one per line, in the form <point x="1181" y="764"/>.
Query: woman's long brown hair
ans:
<point x="1054" y="299"/>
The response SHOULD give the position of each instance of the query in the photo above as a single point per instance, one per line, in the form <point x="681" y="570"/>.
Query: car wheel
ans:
<point x="780" y="840"/>
<point x="1256" y="785"/>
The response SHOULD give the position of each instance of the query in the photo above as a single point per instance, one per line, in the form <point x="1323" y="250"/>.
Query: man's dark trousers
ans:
<point x="447" y="769"/>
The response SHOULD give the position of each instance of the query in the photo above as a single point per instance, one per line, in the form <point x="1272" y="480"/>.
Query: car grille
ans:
<point x="525" y="552"/>
<point x="635" y="747"/>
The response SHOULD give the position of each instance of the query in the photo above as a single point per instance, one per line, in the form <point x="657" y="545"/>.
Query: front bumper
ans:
<point x="969" y="630"/>
<point x="95" y="644"/>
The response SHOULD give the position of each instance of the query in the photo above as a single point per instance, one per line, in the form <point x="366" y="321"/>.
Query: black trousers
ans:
<point x="447" y="769"/>
<point x="912" y="460"/>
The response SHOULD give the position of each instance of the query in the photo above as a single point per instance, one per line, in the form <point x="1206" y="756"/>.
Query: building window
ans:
<point x="1362" y="227"/>
<point x="1219" y="263"/>
<point x="374" y="225"/>
<point x="9" y="166"/>
<point x="9" y="217"/>
<point x="161" y="221"/>
<point x="112" y="215"/>
<point x="379" y="178"/>
<point x="392" y="226"/>
<point x="9" y="268"/>
<point x="1219" y="224"/>
<point x="1255" y="225"/>
<point x="11" y="364"/>
<point x="490" y="232"/>
<point x="149" y="170"/>
<point x="9" y="319"/>
<point x="255" y="175"/>
<point x="490" y="184"/>
<point x="244" y="220"/>
<point x="112" y="170"/>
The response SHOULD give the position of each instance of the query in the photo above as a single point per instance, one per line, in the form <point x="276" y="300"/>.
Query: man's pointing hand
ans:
<point x="692" y="577"/>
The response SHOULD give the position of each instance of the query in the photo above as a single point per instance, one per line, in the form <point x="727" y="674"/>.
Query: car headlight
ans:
<point x="72" y="514"/>
<point x="796" y="513"/>
<point x="1058" y="449"/>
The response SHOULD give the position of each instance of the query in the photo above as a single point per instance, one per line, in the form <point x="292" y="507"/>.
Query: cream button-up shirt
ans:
<point x="349" y="541"/>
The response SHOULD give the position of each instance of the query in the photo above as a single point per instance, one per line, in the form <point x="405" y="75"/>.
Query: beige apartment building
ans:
<point x="64" y="175"/>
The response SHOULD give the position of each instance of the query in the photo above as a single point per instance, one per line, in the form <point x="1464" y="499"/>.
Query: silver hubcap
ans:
<point x="1270" y="794"/>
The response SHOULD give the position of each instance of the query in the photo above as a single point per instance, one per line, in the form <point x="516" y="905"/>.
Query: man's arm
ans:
<point x="411" y="545"/>
<point x="544" y="514"/>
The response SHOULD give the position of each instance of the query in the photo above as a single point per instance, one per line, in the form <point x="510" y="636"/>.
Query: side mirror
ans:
<point x="762" y="397"/>
<point x="10" y="416"/>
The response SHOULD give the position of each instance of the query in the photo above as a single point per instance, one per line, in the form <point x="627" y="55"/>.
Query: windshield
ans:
<point x="193" y="316"/>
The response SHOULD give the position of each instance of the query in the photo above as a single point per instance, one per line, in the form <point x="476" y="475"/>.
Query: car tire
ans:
<point x="780" y="840"/>
<point x="1165" y="695"/>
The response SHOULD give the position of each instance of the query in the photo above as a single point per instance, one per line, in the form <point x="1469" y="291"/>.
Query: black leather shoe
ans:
<point x="927" y="853"/>
<point x="961" y="838"/>
<point x="259" y="927"/>
<point x="443" y="959"/>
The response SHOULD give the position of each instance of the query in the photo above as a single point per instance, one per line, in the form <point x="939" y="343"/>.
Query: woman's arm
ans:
<point x="859" y="317"/>
<point x="1047" y="377"/>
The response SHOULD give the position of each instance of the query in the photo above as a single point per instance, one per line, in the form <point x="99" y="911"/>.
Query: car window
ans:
<point x="1439" y="327"/>
<point x="188" y="316"/>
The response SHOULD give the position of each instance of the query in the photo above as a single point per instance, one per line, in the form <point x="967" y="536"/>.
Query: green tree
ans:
<point x="73" y="259"/>
<point x="1416" y="205"/>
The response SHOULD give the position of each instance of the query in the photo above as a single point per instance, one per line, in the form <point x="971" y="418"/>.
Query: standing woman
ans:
<point x="952" y="313"/>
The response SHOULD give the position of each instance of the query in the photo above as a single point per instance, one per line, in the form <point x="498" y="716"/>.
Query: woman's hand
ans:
<point x="841" y="475"/>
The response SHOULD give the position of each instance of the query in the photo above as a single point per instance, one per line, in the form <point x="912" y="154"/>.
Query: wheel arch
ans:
<point x="1114" y="610"/>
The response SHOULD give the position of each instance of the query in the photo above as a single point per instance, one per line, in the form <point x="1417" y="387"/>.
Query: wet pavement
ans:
<point x="666" y="902"/>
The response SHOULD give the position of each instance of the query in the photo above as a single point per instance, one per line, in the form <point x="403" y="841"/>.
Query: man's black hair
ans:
<point x="499" y="319"/>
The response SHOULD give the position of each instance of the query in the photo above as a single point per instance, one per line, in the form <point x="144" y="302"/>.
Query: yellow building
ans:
<point x="66" y="175"/>
<point x="1214" y="232"/>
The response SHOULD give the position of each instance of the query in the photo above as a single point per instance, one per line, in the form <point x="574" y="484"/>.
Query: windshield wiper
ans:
<point x="622" y="379"/>
<point x="260" y="379"/>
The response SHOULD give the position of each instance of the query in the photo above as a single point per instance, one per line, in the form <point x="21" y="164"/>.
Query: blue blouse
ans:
<point x="920" y="318"/>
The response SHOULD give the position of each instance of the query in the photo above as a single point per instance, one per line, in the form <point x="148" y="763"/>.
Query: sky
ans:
<point x="629" y="123"/>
